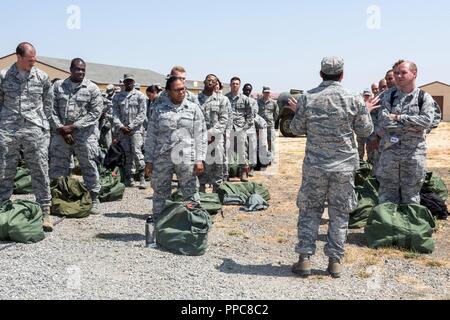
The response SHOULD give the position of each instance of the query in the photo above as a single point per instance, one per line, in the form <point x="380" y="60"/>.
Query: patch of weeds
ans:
<point x="411" y="255"/>
<point x="236" y="233"/>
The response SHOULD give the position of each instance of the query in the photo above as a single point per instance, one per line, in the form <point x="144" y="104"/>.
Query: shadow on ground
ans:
<point x="229" y="266"/>
<point x="120" y="237"/>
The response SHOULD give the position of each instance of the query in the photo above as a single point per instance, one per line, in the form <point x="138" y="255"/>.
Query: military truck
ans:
<point x="286" y="112"/>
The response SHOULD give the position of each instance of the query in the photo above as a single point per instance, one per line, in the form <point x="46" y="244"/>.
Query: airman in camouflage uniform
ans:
<point x="269" y="111"/>
<point x="178" y="72"/>
<point x="176" y="144"/>
<point x="329" y="115"/>
<point x="401" y="170"/>
<point x="215" y="108"/>
<point x="26" y="99"/>
<point x="252" y="137"/>
<point x="76" y="111"/>
<point x="106" y="119"/>
<point x="243" y="120"/>
<point x="129" y="110"/>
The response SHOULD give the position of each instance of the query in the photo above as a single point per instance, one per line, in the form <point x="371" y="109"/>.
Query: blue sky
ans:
<point x="275" y="43"/>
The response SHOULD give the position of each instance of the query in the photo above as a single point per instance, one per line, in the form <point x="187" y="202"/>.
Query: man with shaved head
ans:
<point x="407" y="113"/>
<point x="26" y="101"/>
<point x="375" y="89"/>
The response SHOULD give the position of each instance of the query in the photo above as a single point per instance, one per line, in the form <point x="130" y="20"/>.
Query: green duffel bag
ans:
<point x="364" y="172"/>
<point x="112" y="187"/>
<point x="367" y="195"/>
<point x="22" y="181"/>
<point x="183" y="229"/>
<point x="238" y="193"/>
<point x="70" y="198"/>
<point x="209" y="201"/>
<point x="21" y="221"/>
<point x="434" y="184"/>
<point x="406" y="226"/>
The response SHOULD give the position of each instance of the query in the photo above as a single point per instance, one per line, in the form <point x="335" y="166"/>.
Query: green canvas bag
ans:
<point x="183" y="229"/>
<point x="112" y="189"/>
<point x="434" y="184"/>
<point x="22" y="181"/>
<point x="21" y="221"/>
<point x="208" y="201"/>
<point x="238" y="193"/>
<point x="367" y="195"/>
<point x="406" y="226"/>
<point x="70" y="198"/>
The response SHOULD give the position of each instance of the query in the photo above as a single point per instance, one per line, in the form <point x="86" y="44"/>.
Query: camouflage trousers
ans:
<point x="163" y="171"/>
<point x="401" y="174"/>
<point x="34" y="142"/>
<point x="132" y="146"/>
<point x="373" y="157"/>
<point x="85" y="149"/>
<point x="226" y="152"/>
<point x="361" y="147"/>
<point x="214" y="164"/>
<point x="252" y="146"/>
<point x="319" y="186"/>
<point x="271" y="140"/>
<point x="237" y="151"/>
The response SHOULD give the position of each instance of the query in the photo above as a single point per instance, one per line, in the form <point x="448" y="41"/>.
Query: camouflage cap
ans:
<point x="110" y="88"/>
<point x="266" y="90"/>
<point x="332" y="66"/>
<point x="367" y="92"/>
<point x="128" y="76"/>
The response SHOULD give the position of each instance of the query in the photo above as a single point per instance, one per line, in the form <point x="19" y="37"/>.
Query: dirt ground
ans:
<point x="284" y="180"/>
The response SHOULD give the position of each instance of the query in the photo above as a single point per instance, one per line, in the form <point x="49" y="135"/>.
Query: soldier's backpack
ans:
<point x="115" y="157"/>
<point x="208" y="201"/>
<point x="183" y="229"/>
<point x="21" y="221"/>
<point x="367" y="195"/>
<point x="70" y="198"/>
<point x="406" y="226"/>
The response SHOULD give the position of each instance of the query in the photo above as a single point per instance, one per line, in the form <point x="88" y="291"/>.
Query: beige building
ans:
<point x="441" y="93"/>
<point x="100" y="74"/>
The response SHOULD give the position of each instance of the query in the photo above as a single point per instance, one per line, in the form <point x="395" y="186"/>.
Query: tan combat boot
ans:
<point x="47" y="224"/>
<point x="303" y="266"/>
<point x="335" y="268"/>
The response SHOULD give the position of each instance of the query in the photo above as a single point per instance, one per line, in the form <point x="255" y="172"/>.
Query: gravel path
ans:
<point x="103" y="257"/>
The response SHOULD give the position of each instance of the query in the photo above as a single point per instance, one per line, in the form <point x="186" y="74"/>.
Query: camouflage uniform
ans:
<point x="25" y="107"/>
<point x="129" y="110"/>
<point x="176" y="140"/>
<point x="401" y="169"/>
<point x="269" y="111"/>
<point x="80" y="105"/>
<point x="215" y="110"/>
<point x="328" y="115"/>
<point x="164" y="97"/>
<point x="227" y="143"/>
<point x="252" y="136"/>
<point x="105" y="123"/>
<point x="243" y="120"/>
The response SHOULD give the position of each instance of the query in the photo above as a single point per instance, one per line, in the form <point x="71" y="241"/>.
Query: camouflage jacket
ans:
<point x="410" y="131"/>
<point x="31" y="99"/>
<point x="330" y="115"/>
<point x="81" y="106"/>
<point x="243" y="117"/>
<point x="269" y="111"/>
<point x="176" y="128"/>
<point x="129" y="110"/>
<point x="215" y="110"/>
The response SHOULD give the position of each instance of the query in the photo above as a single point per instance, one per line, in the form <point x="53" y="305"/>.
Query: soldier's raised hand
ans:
<point x="372" y="103"/>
